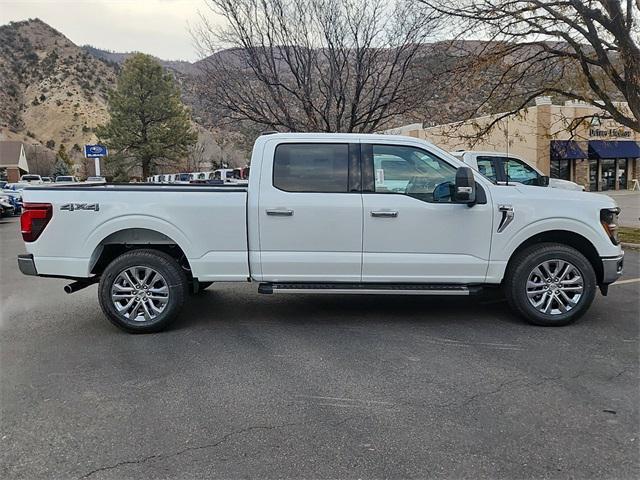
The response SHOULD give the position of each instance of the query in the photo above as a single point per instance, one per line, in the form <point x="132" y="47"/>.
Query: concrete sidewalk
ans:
<point x="629" y="202"/>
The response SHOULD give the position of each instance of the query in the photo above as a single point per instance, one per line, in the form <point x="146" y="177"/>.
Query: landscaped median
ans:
<point x="629" y="236"/>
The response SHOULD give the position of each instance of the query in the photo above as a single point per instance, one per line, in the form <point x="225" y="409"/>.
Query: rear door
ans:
<point x="310" y="212"/>
<point x="409" y="237"/>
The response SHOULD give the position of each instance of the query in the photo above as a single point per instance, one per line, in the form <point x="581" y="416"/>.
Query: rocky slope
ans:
<point x="51" y="91"/>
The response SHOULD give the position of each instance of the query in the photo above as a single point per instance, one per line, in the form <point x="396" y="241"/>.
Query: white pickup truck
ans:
<point x="504" y="168"/>
<point x="327" y="213"/>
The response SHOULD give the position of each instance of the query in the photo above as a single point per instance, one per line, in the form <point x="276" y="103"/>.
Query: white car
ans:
<point x="66" y="179"/>
<point x="503" y="167"/>
<point x="96" y="180"/>
<point x="318" y="216"/>
<point x="30" y="178"/>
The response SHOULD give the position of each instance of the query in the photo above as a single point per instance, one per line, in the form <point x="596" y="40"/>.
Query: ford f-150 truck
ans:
<point x="327" y="213"/>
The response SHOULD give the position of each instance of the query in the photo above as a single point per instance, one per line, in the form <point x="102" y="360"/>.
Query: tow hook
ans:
<point x="80" y="284"/>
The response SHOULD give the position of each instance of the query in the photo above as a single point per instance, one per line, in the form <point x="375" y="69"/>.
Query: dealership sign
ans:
<point x="609" y="133"/>
<point x="95" y="151"/>
<point x="599" y="131"/>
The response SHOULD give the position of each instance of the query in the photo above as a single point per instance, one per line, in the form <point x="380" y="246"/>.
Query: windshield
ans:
<point x="64" y="179"/>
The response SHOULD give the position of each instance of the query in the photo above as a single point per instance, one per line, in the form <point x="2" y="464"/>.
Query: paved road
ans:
<point x="343" y="387"/>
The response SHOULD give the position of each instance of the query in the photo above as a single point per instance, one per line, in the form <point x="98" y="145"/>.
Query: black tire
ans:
<point x="524" y="264"/>
<point x="170" y="272"/>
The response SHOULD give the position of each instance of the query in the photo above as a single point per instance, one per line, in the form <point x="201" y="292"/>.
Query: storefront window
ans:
<point x="623" y="164"/>
<point x="560" y="169"/>
<point x="593" y="175"/>
<point x="608" y="166"/>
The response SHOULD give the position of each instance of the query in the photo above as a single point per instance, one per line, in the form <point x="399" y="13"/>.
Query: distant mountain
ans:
<point x="118" y="58"/>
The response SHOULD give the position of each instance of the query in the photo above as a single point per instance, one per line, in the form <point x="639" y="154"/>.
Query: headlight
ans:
<point x="609" y="221"/>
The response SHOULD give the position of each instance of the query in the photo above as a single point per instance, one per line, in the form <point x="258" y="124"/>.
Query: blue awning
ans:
<point x="613" y="149"/>
<point x="568" y="149"/>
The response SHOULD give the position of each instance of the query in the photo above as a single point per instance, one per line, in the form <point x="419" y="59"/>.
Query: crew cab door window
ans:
<point x="518" y="171"/>
<point x="409" y="171"/>
<point x="312" y="167"/>
<point x="487" y="168"/>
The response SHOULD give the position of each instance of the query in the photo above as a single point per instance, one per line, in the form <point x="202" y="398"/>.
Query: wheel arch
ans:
<point x="565" y="237"/>
<point x="126" y="239"/>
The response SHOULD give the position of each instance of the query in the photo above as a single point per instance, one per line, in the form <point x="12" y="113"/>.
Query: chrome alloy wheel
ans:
<point x="140" y="293"/>
<point x="554" y="287"/>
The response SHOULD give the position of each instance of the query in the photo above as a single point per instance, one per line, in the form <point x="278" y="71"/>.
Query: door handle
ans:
<point x="279" y="212"/>
<point x="384" y="214"/>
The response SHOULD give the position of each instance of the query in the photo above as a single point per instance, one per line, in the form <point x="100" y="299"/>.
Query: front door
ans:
<point x="408" y="237"/>
<point x="310" y="213"/>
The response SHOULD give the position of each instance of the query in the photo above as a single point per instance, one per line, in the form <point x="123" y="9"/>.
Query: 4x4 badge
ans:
<point x="80" y="206"/>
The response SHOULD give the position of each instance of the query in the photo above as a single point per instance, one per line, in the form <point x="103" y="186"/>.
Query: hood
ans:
<point x="562" y="195"/>
<point x="565" y="184"/>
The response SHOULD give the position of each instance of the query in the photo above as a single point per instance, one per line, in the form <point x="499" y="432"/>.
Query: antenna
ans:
<point x="506" y="164"/>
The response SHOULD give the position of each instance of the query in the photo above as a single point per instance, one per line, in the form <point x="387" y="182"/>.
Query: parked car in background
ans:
<point x="30" y="178"/>
<point x="18" y="187"/>
<point x="96" y="180"/>
<point x="502" y="168"/>
<point x="6" y="208"/>
<point x="14" y="198"/>
<point x="47" y="180"/>
<point x="66" y="179"/>
<point x="3" y="183"/>
<point x="318" y="218"/>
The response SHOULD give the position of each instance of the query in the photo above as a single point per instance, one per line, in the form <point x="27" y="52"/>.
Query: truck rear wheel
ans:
<point x="142" y="291"/>
<point x="550" y="284"/>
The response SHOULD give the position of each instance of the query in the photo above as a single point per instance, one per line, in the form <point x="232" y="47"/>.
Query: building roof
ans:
<point x="12" y="155"/>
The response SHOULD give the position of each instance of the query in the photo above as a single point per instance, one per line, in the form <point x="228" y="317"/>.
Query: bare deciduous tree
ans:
<point x="314" y="65"/>
<point x="586" y="50"/>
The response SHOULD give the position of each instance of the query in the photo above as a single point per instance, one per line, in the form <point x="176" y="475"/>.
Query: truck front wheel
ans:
<point x="550" y="284"/>
<point x="142" y="291"/>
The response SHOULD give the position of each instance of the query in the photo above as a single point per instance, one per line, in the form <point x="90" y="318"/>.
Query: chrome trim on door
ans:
<point x="384" y="214"/>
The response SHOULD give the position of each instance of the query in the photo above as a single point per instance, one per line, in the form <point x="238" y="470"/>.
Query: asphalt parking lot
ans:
<point x="254" y="386"/>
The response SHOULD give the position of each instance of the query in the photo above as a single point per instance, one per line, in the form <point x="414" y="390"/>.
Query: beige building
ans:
<point x="599" y="154"/>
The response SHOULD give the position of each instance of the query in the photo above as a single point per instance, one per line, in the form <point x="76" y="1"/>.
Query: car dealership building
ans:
<point x="598" y="153"/>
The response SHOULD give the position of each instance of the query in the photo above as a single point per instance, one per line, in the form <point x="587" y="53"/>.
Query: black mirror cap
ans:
<point x="543" y="181"/>
<point x="465" y="188"/>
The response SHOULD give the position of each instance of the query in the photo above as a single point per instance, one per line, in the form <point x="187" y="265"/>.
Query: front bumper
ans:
<point x="612" y="269"/>
<point x="26" y="264"/>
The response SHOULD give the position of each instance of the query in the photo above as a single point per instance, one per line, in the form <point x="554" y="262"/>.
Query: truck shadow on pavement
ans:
<point x="229" y="306"/>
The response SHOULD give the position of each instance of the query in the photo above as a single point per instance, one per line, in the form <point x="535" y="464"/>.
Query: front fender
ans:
<point x="592" y="233"/>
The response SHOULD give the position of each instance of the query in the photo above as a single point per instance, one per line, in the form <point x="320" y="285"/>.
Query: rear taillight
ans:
<point x="34" y="218"/>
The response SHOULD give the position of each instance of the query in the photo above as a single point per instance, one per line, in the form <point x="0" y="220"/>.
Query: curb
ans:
<point x="631" y="246"/>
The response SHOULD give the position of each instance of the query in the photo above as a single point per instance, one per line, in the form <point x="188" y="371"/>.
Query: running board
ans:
<point x="368" y="288"/>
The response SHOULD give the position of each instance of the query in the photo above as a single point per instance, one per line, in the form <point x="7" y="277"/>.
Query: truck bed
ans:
<point x="207" y="222"/>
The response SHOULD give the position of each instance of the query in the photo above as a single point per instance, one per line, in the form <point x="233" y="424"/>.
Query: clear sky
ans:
<point x="157" y="27"/>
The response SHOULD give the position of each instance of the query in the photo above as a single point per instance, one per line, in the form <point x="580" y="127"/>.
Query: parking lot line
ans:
<point x="630" y="280"/>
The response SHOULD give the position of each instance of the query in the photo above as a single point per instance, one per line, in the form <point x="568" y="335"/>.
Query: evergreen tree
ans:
<point x="149" y="125"/>
<point x="63" y="156"/>
<point x="60" y="168"/>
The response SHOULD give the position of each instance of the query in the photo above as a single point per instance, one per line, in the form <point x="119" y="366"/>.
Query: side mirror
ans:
<point x="465" y="187"/>
<point x="543" y="181"/>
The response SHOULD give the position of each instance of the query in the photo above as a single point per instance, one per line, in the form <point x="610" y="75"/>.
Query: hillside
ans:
<point x="50" y="89"/>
